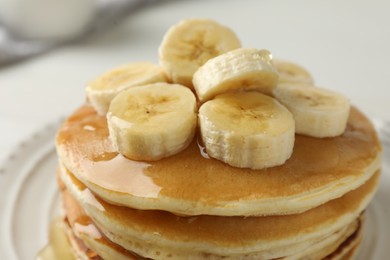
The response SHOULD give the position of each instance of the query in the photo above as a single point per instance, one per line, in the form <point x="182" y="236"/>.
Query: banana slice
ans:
<point x="247" y="130"/>
<point x="244" y="68"/>
<point x="189" y="44"/>
<point x="153" y="121"/>
<point x="102" y="90"/>
<point x="290" y="72"/>
<point x="317" y="112"/>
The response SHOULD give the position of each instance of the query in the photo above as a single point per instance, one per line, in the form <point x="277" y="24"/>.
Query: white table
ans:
<point x="345" y="44"/>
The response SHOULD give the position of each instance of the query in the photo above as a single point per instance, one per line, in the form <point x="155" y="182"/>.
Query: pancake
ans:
<point x="343" y="252"/>
<point x="190" y="183"/>
<point x="98" y="247"/>
<point x="151" y="233"/>
<point x="348" y="248"/>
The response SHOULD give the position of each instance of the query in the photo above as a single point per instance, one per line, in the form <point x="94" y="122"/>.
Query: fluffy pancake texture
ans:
<point x="97" y="247"/>
<point x="189" y="183"/>
<point x="153" y="232"/>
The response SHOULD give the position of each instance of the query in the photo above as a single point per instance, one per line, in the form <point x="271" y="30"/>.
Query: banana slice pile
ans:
<point x="245" y="106"/>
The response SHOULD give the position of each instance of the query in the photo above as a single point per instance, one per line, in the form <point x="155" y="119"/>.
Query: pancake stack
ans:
<point x="191" y="204"/>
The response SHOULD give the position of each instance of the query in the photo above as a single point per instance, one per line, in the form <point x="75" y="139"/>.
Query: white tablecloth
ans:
<point x="345" y="44"/>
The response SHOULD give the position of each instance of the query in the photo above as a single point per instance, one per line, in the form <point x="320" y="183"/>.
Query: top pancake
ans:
<point x="189" y="183"/>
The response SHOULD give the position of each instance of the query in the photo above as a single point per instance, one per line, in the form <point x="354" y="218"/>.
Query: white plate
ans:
<point x="29" y="200"/>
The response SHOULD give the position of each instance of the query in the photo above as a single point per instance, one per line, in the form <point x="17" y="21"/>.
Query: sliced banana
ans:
<point x="290" y="72"/>
<point x="102" y="90"/>
<point x="317" y="112"/>
<point x="189" y="44"/>
<point x="153" y="121"/>
<point x="244" y="68"/>
<point x="247" y="130"/>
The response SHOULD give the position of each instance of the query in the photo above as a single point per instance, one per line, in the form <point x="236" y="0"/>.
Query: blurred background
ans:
<point x="50" y="49"/>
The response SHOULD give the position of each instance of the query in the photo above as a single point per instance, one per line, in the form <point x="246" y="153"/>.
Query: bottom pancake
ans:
<point x="158" y="234"/>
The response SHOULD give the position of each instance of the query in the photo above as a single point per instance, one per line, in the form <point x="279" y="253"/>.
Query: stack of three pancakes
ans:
<point x="189" y="206"/>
